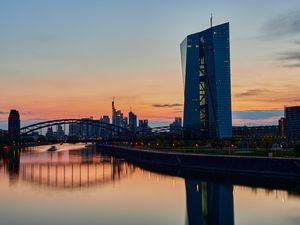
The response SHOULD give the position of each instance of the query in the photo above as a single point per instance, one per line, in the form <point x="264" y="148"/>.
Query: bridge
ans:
<point x="95" y="130"/>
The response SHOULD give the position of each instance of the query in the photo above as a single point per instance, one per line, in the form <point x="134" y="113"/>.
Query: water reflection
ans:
<point x="140" y="197"/>
<point x="209" y="203"/>
<point x="67" y="169"/>
<point x="11" y="165"/>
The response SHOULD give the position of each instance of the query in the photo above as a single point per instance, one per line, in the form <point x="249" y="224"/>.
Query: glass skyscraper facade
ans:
<point x="205" y="58"/>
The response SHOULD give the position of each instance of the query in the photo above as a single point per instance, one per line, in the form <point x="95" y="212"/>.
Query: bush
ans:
<point x="297" y="148"/>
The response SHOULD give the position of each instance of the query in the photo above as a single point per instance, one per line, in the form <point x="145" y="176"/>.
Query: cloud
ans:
<point x="3" y="113"/>
<point x="293" y="65"/>
<point x="290" y="55"/>
<point x="283" y="25"/>
<point x="252" y="92"/>
<point x="289" y="58"/>
<point x="167" y="105"/>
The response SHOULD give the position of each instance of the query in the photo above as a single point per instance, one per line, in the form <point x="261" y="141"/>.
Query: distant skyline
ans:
<point x="68" y="58"/>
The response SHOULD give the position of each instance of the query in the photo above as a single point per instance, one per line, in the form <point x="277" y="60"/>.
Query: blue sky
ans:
<point x="67" y="58"/>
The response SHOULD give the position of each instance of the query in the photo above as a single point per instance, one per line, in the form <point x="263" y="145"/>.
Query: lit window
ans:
<point x="189" y="46"/>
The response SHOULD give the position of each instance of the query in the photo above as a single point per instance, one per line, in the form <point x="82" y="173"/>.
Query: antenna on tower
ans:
<point x="113" y="102"/>
<point x="211" y="19"/>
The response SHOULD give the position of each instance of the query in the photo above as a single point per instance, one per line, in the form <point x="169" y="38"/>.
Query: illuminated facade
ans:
<point x="205" y="58"/>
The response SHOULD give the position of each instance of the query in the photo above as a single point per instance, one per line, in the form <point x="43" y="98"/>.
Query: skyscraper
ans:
<point x="292" y="121"/>
<point x="132" y="121"/>
<point x="205" y="58"/>
<point x="14" y="123"/>
<point x="114" y="113"/>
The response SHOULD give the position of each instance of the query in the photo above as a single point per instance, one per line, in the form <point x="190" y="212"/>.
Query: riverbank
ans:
<point x="192" y="163"/>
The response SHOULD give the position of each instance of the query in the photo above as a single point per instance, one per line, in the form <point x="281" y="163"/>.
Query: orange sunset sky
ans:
<point x="67" y="59"/>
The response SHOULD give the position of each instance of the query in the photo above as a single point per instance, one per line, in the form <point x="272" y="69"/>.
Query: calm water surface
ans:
<point x="76" y="185"/>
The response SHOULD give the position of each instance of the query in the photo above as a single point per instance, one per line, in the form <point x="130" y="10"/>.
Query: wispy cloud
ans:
<point x="3" y="113"/>
<point x="252" y="92"/>
<point x="289" y="58"/>
<point x="293" y="65"/>
<point x="167" y="105"/>
<point x="283" y="25"/>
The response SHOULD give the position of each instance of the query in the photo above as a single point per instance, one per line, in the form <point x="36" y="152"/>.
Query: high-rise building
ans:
<point x="177" y="122"/>
<point x="75" y="130"/>
<point x="49" y="132"/>
<point x="175" y="127"/>
<point x="117" y="116"/>
<point x="292" y="121"/>
<point x="14" y="123"/>
<point x="105" y="119"/>
<point x="281" y="126"/>
<point x="143" y="124"/>
<point x="132" y="121"/>
<point x="105" y="130"/>
<point x="205" y="58"/>
<point x="60" y="133"/>
<point x="114" y="113"/>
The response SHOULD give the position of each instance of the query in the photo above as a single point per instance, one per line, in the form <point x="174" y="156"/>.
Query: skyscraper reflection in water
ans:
<point x="209" y="203"/>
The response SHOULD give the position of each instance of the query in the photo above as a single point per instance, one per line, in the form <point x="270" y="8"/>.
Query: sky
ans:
<point x="68" y="58"/>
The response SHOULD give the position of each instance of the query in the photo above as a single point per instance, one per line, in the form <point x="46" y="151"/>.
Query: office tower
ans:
<point x="125" y="122"/>
<point x="177" y="122"/>
<point x="105" y="129"/>
<point x="281" y="126"/>
<point x="175" y="127"/>
<point x="143" y="124"/>
<point x="114" y="112"/>
<point x="74" y="130"/>
<point x="60" y="133"/>
<point x="205" y="58"/>
<point x="118" y="117"/>
<point x="105" y="119"/>
<point x="132" y="121"/>
<point x="14" y="123"/>
<point x="87" y="128"/>
<point x="292" y="121"/>
<point x="49" y="132"/>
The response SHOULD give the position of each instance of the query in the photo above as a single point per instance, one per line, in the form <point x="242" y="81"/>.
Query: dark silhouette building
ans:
<point x="281" y="125"/>
<point x="104" y="130"/>
<point x="14" y="123"/>
<point x="132" y="121"/>
<point x="176" y="125"/>
<point x="256" y="131"/>
<point x="292" y="121"/>
<point x="143" y="125"/>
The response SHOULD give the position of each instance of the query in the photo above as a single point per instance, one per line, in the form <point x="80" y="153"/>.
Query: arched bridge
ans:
<point x="88" y="129"/>
<point x="115" y="130"/>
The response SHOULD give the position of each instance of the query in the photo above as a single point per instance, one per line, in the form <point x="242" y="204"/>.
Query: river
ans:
<point x="79" y="186"/>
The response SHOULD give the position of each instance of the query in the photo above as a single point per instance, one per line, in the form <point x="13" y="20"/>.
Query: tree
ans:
<point x="297" y="148"/>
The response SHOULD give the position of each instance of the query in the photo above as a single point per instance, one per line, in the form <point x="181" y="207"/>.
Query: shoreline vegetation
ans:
<point x="262" y="152"/>
<point x="196" y="149"/>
